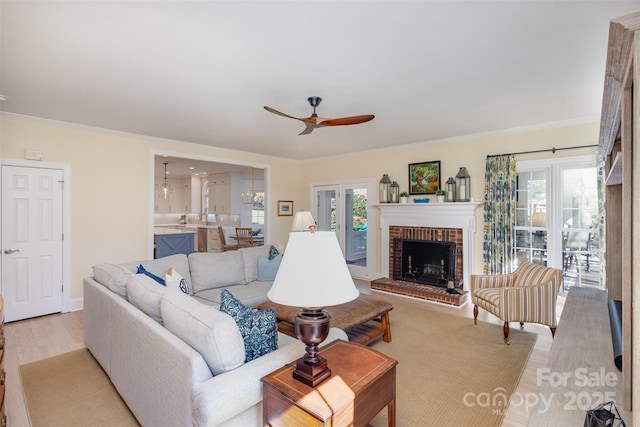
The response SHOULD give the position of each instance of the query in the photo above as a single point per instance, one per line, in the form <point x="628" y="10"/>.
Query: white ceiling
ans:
<point x="201" y="71"/>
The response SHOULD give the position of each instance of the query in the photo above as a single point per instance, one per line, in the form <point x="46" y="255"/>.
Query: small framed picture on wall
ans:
<point x="285" y="207"/>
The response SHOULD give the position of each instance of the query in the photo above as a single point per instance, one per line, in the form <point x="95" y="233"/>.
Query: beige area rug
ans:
<point x="72" y="390"/>
<point x="450" y="372"/>
<point x="447" y="369"/>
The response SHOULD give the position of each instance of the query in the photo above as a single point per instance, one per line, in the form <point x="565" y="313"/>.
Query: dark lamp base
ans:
<point x="312" y="327"/>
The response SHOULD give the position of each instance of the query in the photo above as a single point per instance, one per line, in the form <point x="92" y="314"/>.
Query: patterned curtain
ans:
<point x="499" y="214"/>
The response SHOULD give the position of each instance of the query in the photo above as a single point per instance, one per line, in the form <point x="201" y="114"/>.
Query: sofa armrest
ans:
<point x="226" y="395"/>
<point x="534" y="303"/>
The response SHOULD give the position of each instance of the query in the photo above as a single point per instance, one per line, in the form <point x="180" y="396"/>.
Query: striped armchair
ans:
<point x="527" y="295"/>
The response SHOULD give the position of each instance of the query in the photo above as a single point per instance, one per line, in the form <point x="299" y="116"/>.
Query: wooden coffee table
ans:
<point x="362" y="383"/>
<point x="365" y="319"/>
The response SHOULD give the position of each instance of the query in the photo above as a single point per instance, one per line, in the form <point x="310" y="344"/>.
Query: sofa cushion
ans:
<point x="160" y="266"/>
<point x="145" y="294"/>
<point x="258" y="328"/>
<point x="267" y="268"/>
<point x="210" y="332"/>
<point x="216" y="270"/>
<point x="114" y="277"/>
<point x="252" y="294"/>
<point x="250" y="259"/>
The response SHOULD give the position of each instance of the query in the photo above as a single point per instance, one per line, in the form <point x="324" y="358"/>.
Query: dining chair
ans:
<point x="223" y="240"/>
<point x="244" y="236"/>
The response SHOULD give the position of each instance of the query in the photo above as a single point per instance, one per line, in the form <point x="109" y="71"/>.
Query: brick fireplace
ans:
<point x="450" y="224"/>
<point x="426" y="241"/>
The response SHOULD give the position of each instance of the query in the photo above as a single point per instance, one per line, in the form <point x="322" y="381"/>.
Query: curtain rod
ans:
<point x="553" y="150"/>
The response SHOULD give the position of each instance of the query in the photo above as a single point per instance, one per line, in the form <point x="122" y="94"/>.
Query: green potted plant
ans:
<point x="404" y="196"/>
<point x="440" y="195"/>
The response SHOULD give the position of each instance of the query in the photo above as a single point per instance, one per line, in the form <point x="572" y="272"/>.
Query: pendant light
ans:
<point x="166" y="191"/>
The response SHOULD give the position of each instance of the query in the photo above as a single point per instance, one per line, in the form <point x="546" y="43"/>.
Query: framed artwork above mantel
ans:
<point x="424" y="177"/>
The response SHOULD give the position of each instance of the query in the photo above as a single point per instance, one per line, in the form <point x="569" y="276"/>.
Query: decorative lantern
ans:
<point x="385" y="189"/>
<point x="463" y="185"/>
<point x="395" y="192"/>
<point x="450" y="190"/>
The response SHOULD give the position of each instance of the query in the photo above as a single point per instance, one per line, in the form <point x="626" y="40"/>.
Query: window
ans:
<point x="558" y="221"/>
<point x="531" y="217"/>
<point x="257" y="208"/>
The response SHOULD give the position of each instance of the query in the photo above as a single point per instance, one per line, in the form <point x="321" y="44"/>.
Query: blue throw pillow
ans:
<point x="160" y="280"/>
<point x="258" y="328"/>
<point x="273" y="252"/>
<point x="267" y="268"/>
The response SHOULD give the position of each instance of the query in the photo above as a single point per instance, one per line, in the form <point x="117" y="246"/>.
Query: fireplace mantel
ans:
<point x="446" y="215"/>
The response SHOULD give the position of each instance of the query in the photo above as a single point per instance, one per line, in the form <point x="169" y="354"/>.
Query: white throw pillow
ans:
<point x="212" y="333"/>
<point x="174" y="280"/>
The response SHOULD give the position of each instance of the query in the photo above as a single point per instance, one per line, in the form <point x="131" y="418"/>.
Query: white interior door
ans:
<point x="31" y="241"/>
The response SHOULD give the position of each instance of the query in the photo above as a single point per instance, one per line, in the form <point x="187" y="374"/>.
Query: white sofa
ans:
<point x="161" y="348"/>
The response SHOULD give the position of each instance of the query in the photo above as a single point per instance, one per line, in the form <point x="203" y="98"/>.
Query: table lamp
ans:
<point x="313" y="274"/>
<point x="303" y="221"/>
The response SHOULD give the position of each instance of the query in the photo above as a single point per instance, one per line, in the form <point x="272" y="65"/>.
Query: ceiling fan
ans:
<point x="315" y="122"/>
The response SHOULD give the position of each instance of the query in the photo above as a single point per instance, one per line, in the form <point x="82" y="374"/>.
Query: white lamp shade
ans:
<point x="302" y="221"/>
<point x="313" y="273"/>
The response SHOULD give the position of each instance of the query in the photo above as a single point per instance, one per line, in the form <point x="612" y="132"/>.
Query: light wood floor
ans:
<point x="35" y="339"/>
<point x="32" y="340"/>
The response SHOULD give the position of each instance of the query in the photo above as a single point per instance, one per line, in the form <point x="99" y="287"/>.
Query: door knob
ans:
<point x="10" y="251"/>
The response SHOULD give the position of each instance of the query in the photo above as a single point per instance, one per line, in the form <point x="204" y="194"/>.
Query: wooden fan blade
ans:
<point x="308" y="129"/>
<point x="271" y="110"/>
<point x="353" y="120"/>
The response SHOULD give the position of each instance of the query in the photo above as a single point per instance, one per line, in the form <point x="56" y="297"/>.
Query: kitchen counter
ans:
<point x="162" y="231"/>
<point x="185" y="226"/>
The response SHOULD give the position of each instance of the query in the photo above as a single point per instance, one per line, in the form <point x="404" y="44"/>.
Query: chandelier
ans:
<point x="165" y="191"/>
<point x="248" y="198"/>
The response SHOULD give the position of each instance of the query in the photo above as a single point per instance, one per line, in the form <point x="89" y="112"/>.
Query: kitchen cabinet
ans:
<point x="214" y="244"/>
<point x="220" y="193"/>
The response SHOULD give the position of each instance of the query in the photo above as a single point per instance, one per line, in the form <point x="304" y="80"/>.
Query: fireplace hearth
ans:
<point x="425" y="261"/>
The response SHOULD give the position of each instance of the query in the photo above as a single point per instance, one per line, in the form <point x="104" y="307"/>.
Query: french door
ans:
<point x="558" y="219"/>
<point x="344" y="208"/>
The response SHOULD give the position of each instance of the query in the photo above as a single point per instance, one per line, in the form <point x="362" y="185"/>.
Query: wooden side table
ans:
<point x="363" y="381"/>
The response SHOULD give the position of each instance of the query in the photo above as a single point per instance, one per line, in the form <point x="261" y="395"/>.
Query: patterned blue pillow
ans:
<point x="273" y="252"/>
<point x="267" y="269"/>
<point x="141" y="270"/>
<point x="258" y="328"/>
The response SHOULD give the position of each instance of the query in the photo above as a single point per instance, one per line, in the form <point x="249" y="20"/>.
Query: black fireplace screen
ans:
<point x="425" y="261"/>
